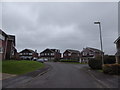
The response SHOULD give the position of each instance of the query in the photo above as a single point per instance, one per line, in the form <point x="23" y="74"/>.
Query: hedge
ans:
<point x="113" y="69"/>
<point x="109" y="59"/>
<point x="64" y="60"/>
<point x="95" y="63"/>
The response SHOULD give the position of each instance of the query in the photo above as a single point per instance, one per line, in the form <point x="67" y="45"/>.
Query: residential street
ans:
<point x="62" y="75"/>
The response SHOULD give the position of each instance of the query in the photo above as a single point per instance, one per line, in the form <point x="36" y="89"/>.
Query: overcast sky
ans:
<point x="61" y="25"/>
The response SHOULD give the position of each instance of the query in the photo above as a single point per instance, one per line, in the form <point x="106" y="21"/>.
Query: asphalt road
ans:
<point x="64" y="75"/>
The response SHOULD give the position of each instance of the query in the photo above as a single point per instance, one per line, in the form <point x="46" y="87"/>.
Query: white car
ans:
<point x="40" y="60"/>
<point x="45" y="60"/>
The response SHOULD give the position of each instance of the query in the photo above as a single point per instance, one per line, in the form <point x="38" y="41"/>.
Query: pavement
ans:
<point x="5" y="76"/>
<point x="63" y="75"/>
<point x="108" y="81"/>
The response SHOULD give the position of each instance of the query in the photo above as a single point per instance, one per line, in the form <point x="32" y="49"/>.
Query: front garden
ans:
<point x="109" y="66"/>
<point x="20" y="67"/>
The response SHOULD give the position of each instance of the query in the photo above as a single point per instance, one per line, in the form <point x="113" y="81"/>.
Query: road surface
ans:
<point x="64" y="75"/>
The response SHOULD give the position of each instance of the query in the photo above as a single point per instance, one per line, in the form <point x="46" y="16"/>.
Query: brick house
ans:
<point x="7" y="46"/>
<point x="88" y="53"/>
<point x="117" y="55"/>
<point x="71" y="55"/>
<point x="28" y="54"/>
<point x="50" y="54"/>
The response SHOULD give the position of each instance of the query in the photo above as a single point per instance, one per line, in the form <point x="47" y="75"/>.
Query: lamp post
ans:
<point x="100" y="41"/>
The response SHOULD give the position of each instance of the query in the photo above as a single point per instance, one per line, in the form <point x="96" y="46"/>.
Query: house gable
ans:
<point x="47" y="51"/>
<point x="27" y="51"/>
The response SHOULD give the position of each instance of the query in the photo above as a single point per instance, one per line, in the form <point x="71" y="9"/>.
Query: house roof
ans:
<point x="11" y="37"/>
<point x="28" y="50"/>
<point x="117" y="39"/>
<point x="3" y="33"/>
<point x="94" y="49"/>
<point x="52" y="50"/>
<point x="72" y="51"/>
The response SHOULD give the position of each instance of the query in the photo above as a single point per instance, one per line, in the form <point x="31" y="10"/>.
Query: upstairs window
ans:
<point x="90" y="53"/>
<point x="69" y="54"/>
<point x="30" y="53"/>
<point x="85" y="53"/>
<point x="42" y="54"/>
<point x="45" y="54"/>
<point x="2" y="37"/>
<point x="21" y="54"/>
<point x="52" y="54"/>
<point x="1" y="50"/>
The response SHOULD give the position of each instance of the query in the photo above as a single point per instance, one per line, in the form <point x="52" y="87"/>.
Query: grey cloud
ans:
<point x="61" y="25"/>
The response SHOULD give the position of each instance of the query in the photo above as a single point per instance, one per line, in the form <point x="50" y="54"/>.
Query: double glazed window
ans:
<point x="1" y="50"/>
<point x="2" y="37"/>
<point x="69" y="54"/>
<point x="52" y="53"/>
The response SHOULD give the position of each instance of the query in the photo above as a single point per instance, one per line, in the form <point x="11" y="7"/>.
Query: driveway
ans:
<point x="63" y="75"/>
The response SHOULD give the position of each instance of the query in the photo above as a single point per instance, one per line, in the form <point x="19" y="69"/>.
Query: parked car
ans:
<point x="40" y="60"/>
<point x="45" y="60"/>
<point x="34" y="59"/>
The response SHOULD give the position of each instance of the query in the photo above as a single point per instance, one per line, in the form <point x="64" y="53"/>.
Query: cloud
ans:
<point x="61" y="25"/>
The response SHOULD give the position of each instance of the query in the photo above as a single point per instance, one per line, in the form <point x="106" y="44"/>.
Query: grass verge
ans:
<point x="20" y="67"/>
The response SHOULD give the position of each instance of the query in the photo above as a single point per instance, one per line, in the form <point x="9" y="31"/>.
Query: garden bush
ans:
<point x="113" y="69"/>
<point x="109" y="59"/>
<point x="64" y="60"/>
<point x="95" y="63"/>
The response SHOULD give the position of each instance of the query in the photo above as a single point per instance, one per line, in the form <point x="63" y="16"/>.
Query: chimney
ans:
<point x="35" y="51"/>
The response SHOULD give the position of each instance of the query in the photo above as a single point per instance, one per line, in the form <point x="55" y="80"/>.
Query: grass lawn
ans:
<point x="20" y="67"/>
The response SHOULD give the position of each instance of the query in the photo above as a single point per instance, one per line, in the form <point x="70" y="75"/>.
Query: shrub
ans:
<point x="56" y="60"/>
<point x="109" y="59"/>
<point x="113" y="69"/>
<point x="64" y="60"/>
<point x="95" y="63"/>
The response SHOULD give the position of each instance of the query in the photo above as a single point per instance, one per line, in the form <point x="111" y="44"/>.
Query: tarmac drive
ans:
<point x="63" y="75"/>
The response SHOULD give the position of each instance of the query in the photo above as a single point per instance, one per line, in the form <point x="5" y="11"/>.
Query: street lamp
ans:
<point x="100" y="41"/>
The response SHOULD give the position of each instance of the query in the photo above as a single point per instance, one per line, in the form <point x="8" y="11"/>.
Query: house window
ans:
<point x="13" y="53"/>
<point x="30" y="53"/>
<point x="1" y="50"/>
<point x="20" y="53"/>
<point x="69" y="54"/>
<point x="52" y="53"/>
<point x="41" y="54"/>
<point x="90" y="53"/>
<point x="84" y="53"/>
<point x="45" y="54"/>
<point x="64" y="54"/>
<point x="2" y="37"/>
